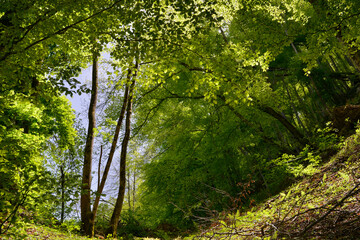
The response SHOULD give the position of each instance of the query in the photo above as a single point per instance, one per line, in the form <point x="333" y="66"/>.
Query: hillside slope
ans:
<point x="323" y="206"/>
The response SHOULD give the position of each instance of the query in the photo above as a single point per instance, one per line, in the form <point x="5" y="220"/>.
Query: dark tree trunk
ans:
<point x="134" y="189"/>
<point x="256" y="128"/>
<point x="121" y="194"/>
<point x="86" y="177"/>
<point x="129" y="188"/>
<point x="295" y="111"/>
<point x="110" y="158"/>
<point x="293" y="130"/>
<point x="62" y="181"/>
<point x="99" y="166"/>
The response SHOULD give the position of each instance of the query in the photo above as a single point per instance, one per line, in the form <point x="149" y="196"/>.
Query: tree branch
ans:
<point x="62" y="30"/>
<point x="352" y="192"/>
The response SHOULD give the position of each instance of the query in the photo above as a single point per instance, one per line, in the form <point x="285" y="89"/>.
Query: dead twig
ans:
<point x="352" y="192"/>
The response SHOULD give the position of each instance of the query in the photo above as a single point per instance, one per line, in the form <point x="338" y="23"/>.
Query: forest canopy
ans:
<point x="201" y="101"/>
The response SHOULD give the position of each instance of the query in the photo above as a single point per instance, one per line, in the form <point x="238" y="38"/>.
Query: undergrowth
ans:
<point x="323" y="205"/>
<point x="30" y="231"/>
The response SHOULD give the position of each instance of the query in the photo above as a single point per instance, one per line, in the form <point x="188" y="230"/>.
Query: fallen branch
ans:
<point x="352" y="192"/>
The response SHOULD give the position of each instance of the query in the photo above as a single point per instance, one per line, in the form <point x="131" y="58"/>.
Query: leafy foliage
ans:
<point x="307" y="209"/>
<point x="24" y="130"/>
<point x="228" y="93"/>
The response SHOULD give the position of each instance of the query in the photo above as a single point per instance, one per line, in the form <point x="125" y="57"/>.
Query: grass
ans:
<point x="30" y="231"/>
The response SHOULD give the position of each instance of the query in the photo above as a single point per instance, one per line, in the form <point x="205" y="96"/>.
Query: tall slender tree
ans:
<point x="111" y="155"/>
<point x="122" y="186"/>
<point x="88" y="152"/>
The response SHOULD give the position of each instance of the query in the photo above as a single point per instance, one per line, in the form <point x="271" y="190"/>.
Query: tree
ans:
<point x="64" y="165"/>
<point x="111" y="155"/>
<point x="252" y="63"/>
<point x="36" y="61"/>
<point x="140" y="24"/>
<point x="86" y="178"/>
<point x="120" y="198"/>
<point x="21" y="163"/>
<point x="222" y="89"/>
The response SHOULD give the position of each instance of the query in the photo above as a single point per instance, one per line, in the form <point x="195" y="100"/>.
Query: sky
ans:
<point x="80" y="103"/>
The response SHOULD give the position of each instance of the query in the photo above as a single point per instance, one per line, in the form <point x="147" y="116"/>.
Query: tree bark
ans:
<point x="121" y="194"/>
<point x="129" y="188"/>
<point x="295" y="111"/>
<point x="99" y="166"/>
<point x="134" y="189"/>
<point x="110" y="158"/>
<point x="257" y="129"/>
<point x="293" y="130"/>
<point x="86" y="177"/>
<point x="62" y="180"/>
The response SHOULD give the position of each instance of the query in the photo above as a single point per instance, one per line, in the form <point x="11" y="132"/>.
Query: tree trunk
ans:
<point x="295" y="132"/>
<point x="121" y="194"/>
<point x="129" y="188"/>
<point x="111" y="155"/>
<point x="86" y="177"/>
<point x="62" y="181"/>
<point x="295" y="111"/>
<point x="258" y="129"/>
<point x="134" y="188"/>
<point x="99" y="166"/>
<point x="352" y="52"/>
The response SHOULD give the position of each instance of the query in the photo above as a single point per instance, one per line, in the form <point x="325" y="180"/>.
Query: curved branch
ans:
<point x="62" y="30"/>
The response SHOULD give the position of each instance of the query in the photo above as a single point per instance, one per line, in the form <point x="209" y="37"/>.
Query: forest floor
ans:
<point x="325" y="205"/>
<point x="37" y="232"/>
<point x="32" y="231"/>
